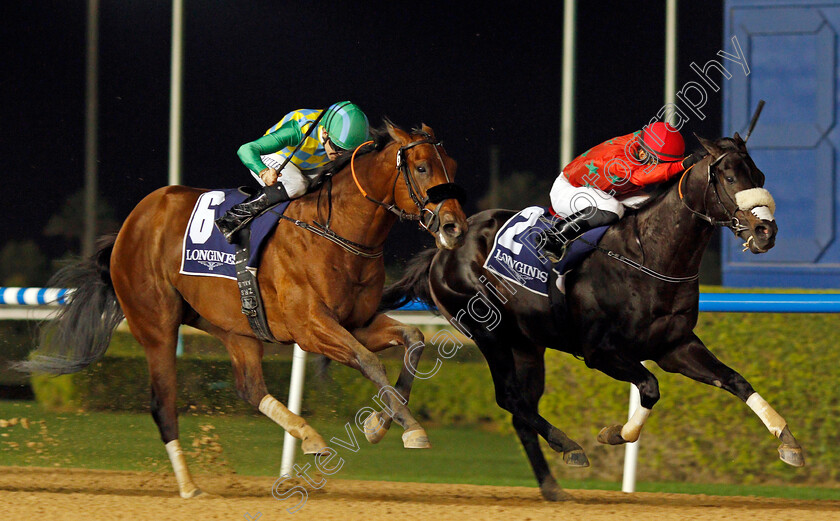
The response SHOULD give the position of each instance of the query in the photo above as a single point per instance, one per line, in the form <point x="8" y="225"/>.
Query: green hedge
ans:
<point x="696" y="432"/>
<point x="120" y="383"/>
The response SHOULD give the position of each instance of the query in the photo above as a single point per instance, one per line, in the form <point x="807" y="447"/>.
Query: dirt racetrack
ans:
<point x="80" y="494"/>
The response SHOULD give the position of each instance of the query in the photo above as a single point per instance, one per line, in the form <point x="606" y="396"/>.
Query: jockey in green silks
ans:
<point x="342" y="128"/>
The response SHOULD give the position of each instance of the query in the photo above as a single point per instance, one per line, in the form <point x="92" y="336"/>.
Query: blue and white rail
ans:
<point x="31" y="303"/>
<point x="33" y="296"/>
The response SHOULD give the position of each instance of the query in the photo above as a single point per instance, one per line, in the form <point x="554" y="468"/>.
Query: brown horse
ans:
<point x="321" y="294"/>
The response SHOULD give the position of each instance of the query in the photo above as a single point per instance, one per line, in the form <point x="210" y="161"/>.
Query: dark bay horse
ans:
<point x="616" y="316"/>
<point x="321" y="294"/>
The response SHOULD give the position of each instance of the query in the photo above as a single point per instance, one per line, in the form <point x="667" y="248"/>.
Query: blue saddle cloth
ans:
<point x="206" y="252"/>
<point x="515" y="257"/>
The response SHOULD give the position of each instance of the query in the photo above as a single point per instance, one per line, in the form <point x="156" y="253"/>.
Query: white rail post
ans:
<point x="295" y="399"/>
<point x="631" y="450"/>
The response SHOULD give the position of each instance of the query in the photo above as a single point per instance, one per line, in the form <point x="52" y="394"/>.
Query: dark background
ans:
<point x="479" y="77"/>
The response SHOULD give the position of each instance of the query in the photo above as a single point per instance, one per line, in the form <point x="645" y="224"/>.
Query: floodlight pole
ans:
<point x="91" y="134"/>
<point x="567" y="109"/>
<point x="175" y="110"/>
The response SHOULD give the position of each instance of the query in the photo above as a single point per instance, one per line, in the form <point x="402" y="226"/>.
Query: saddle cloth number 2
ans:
<point x="508" y="238"/>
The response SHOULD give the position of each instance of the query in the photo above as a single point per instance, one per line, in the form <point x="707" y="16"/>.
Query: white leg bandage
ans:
<point x="631" y="430"/>
<point x="772" y="420"/>
<point x="182" y="473"/>
<point x="282" y="416"/>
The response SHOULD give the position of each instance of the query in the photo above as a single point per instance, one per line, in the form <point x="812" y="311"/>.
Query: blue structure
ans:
<point x="745" y="303"/>
<point x="791" y="49"/>
<point x="721" y="302"/>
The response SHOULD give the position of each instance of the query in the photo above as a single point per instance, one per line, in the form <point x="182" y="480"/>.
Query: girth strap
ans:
<point x="249" y="291"/>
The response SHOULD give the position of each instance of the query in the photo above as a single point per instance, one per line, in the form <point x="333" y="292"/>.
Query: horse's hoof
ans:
<point x="376" y="427"/>
<point x="197" y="493"/>
<point x="416" y="439"/>
<point x="314" y="444"/>
<point x="552" y="492"/>
<point x="611" y="436"/>
<point x="576" y="458"/>
<point x="792" y="455"/>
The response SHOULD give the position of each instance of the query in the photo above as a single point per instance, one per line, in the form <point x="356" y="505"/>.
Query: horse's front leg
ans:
<point x="695" y="361"/>
<point x="324" y="334"/>
<point x="246" y="357"/>
<point x="384" y="332"/>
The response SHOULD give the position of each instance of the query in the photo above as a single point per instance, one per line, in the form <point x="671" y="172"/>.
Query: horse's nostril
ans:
<point x="451" y="229"/>
<point x="762" y="230"/>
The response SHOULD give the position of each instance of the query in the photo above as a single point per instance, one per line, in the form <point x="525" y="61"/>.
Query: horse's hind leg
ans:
<point x="384" y="332"/>
<point x="246" y="357"/>
<point x="530" y="373"/>
<point x="161" y="360"/>
<point x="509" y="392"/>
<point x="695" y="361"/>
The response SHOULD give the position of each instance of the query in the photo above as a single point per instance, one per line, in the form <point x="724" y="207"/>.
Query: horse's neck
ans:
<point x="673" y="238"/>
<point x="350" y="214"/>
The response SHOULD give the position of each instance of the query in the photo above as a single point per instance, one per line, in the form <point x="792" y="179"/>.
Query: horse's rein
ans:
<point x="321" y="230"/>
<point x="374" y="252"/>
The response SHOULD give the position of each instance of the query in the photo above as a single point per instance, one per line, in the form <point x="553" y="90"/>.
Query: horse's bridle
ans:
<point x="732" y="222"/>
<point x="428" y="219"/>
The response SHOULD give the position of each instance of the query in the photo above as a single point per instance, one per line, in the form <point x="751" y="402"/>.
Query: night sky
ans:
<point x="478" y="77"/>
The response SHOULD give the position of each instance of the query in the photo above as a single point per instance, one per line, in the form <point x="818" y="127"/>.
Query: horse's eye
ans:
<point x="421" y="169"/>
<point x="729" y="179"/>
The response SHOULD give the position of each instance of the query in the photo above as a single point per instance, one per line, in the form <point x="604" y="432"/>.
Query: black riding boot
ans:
<point x="558" y="238"/>
<point x="243" y="213"/>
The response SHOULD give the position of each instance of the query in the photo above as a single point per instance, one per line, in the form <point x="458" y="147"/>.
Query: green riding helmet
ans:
<point x="346" y="124"/>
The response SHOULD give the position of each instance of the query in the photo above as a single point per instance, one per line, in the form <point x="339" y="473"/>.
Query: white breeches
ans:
<point x="567" y="199"/>
<point x="291" y="177"/>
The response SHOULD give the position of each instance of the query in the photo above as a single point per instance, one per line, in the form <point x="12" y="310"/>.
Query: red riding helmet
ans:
<point x="664" y="141"/>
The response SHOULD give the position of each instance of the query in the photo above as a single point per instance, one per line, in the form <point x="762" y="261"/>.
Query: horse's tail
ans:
<point x="414" y="284"/>
<point x="80" y="332"/>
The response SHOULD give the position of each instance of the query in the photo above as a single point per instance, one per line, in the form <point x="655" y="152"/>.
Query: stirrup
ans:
<point x="229" y="233"/>
<point x="553" y="258"/>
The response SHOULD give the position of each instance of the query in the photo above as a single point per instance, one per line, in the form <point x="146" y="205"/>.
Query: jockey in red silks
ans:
<point x="594" y="188"/>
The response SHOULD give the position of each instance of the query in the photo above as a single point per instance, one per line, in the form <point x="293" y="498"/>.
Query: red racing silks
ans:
<point x="613" y="166"/>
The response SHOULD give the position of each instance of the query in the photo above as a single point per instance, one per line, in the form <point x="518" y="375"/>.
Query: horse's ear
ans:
<point x="739" y="141"/>
<point x="428" y="130"/>
<point x="399" y="135"/>
<point x="710" y="146"/>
